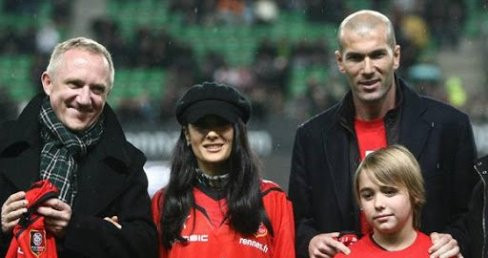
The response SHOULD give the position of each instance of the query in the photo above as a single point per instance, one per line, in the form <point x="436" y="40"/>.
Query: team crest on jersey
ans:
<point x="37" y="241"/>
<point x="262" y="231"/>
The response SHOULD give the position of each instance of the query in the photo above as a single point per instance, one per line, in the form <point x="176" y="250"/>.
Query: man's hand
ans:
<point x="114" y="220"/>
<point x="57" y="215"/>
<point x="444" y="246"/>
<point x="326" y="246"/>
<point x="12" y="209"/>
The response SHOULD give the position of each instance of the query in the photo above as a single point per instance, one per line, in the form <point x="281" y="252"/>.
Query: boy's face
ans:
<point x="387" y="208"/>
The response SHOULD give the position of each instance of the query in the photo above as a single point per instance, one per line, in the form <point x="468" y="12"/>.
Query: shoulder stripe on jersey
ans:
<point x="202" y="210"/>
<point x="267" y="191"/>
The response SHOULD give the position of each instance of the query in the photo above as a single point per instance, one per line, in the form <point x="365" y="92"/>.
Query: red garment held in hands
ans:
<point x="30" y="237"/>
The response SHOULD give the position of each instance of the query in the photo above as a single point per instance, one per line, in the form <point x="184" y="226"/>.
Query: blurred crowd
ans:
<point x="422" y="28"/>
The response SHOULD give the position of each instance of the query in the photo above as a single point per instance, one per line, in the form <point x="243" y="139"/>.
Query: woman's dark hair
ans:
<point x="245" y="206"/>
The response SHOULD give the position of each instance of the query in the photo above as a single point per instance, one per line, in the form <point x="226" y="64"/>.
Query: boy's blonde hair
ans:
<point x="395" y="165"/>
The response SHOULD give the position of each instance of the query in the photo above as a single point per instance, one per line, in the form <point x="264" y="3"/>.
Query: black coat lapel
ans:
<point x="103" y="173"/>
<point x="414" y="129"/>
<point x="99" y="178"/>
<point x="23" y="170"/>
<point x="20" y="149"/>
<point x="336" y="145"/>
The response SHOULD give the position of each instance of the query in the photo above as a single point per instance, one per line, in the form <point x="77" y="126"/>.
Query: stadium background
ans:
<point x="278" y="52"/>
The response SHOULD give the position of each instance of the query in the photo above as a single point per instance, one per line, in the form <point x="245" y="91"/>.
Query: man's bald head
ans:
<point x="363" y="22"/>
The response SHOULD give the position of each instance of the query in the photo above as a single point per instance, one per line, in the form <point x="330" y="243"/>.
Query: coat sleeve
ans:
<point x="6" y="189"/>
<point x="463" y="182"/>
<point x="473" y="225"/>
<point x="300" y="195"/>
<point x="5" y="240"/>
<point x="94" y="237"/>
<point x="5" y="192"/>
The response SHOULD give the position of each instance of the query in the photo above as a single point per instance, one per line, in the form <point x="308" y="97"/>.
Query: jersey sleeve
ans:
<point x="280" y="212"/>
<point x="156" y="205"/>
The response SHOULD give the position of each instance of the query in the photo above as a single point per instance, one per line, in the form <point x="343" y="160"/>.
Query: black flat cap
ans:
<point x="210" y="98"/>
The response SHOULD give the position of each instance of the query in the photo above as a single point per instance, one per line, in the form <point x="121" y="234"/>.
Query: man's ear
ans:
<point x="339" y="61"/>
<point x="396" y="57"/>
<point x="47" y="83"/>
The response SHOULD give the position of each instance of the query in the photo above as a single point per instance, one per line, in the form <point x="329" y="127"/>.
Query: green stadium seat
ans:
<point x="300" y="75"/>
<point x="15" y="75"/>
<point x="130" y="83"/>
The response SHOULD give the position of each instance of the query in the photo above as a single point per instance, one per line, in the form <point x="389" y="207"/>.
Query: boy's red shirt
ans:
<point x="367" y="248"/>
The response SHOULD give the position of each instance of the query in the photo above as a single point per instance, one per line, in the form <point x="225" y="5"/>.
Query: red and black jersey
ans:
<point x="30" y="237"/>
<point x="210" y="235"/>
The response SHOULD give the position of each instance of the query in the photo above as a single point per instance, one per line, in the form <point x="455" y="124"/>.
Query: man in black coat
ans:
<point x="70" y="137"/>
<point x="380" y="109"/>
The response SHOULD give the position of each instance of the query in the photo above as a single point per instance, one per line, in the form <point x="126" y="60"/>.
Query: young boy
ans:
<point x="389" y="188"/>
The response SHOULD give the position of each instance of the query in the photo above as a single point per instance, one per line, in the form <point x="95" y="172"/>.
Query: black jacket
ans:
<point x="320" y="184"/>
<point x="111" y="181"/>
<point x="478" y="214"/>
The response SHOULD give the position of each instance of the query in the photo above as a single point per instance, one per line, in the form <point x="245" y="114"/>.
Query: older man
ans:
<point x="70" y="137"/>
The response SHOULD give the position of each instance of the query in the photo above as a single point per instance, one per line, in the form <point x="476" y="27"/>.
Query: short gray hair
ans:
<point x="80" y="43"/>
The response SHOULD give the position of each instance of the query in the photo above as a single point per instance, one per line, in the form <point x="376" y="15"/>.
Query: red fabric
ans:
<point x="365" y="227"/>
<point x="347" y="238"/>
<point x="210" y="238"/>
<point x="366" y="248"/>
<point x="31" y="239"/>
<point x="371" y="135"/>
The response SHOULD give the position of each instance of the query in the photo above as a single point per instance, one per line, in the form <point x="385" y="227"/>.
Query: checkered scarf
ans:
<point x="61" y="151"/>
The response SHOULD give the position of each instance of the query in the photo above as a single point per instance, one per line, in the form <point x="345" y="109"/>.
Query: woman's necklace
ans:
<point x="217" y="182"/>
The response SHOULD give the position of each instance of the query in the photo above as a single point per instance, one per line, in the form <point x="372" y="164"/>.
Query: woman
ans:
<point x="215" y="204"/>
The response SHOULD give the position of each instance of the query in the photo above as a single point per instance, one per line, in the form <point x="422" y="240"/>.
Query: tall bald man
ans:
<point x="379" y="110"/>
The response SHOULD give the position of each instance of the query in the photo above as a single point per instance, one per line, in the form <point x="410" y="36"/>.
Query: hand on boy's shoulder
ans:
<point x="327" y="246"/>
<point x="444" y="245"/>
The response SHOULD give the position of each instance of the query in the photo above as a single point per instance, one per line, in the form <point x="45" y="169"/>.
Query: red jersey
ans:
<point x="367" y="248"/>
<point x="31" y="238"/>
<point x="208" y="237"/>
<point x="371" y="135"/>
